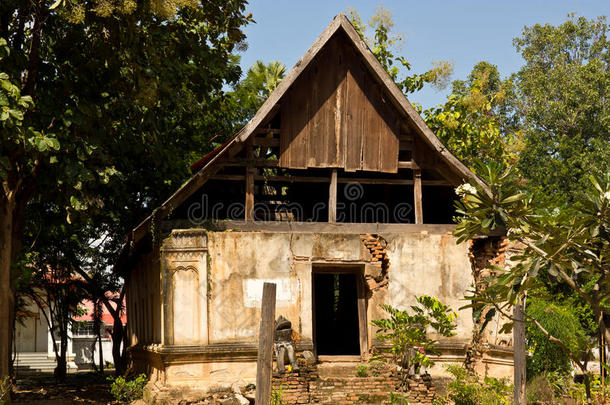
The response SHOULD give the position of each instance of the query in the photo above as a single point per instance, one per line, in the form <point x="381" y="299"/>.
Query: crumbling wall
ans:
<point x="488" y="347"/>
<point x="308" y="386"/>
<point x="225" y="272"/>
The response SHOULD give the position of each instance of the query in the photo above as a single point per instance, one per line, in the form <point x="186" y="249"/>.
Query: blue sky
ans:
<point x="461" y="31"/>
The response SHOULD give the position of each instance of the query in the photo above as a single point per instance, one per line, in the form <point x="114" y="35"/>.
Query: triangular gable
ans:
<point x="335" y="115"/>
<point x="206" y="166"/>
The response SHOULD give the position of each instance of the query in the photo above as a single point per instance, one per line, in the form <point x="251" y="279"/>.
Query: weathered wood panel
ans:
<point x="353" y="122"/>
<point x="335" y="116"/>
<point x="294" y="127"/>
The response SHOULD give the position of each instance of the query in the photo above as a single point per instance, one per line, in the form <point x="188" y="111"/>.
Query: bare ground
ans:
<point x="79" y="389"/>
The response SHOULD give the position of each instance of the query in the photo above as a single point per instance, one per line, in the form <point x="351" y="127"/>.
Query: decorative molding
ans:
<point x="185" y="241"/>
<point x="189" y="354"/>
<point x="184" y="268"/>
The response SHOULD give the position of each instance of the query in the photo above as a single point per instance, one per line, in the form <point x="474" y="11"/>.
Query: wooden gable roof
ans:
<point x="371" y="154"/>
<point x="335" y="115"/>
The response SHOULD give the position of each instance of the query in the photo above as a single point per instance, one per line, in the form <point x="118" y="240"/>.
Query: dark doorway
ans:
<point x="337" y="330"/>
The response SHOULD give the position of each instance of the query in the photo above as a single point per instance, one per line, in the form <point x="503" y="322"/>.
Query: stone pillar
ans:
<point x="184" y="286"/>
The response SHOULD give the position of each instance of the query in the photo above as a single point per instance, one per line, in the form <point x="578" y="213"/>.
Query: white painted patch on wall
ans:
<point x="253" y="291"/>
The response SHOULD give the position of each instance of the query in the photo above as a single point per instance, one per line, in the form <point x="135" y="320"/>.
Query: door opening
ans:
<point x="336" y="312"/>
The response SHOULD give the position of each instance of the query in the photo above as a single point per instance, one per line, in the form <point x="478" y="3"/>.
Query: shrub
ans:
<point x="362" y="370"/>
<point x="376" y="366"/>
<point x="407" y="332"/>
<point x="276" y="397"/>
<point x="397" y="399"/>
<point x="5" y="390"/>
<point x="539" y="389"/>
<point x="126" y="391"/>
<point x="467" y="389"/>
<point x="561" y="322"/>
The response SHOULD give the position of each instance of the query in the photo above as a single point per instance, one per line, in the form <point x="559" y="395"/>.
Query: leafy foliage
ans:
<point x="277" y="397"/>
<point x="397" y="399"/>
<point x="5" y="390"/>
<point x="562" y="92"/>
<point x="471" y="123"/>
<point x="362" y="370"/>
<point x="104" y="105"/>
<point x="252" y="91"/>
<point x="561" y="322"/>
<point x="568" y="243"/>
<point x="468" y="389"/>
<point x="128" y="390"/>
<point x="407" y="332"/>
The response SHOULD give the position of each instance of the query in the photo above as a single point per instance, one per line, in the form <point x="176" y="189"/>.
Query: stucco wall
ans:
<point x="198" y="295"/>
<point x="239" y="261"/>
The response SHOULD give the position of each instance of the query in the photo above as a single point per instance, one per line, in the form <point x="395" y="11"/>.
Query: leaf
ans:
<point x="513" y="198"/>
<point x="55" y="5"/>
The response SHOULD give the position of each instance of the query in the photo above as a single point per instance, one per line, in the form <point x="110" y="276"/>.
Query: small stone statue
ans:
<point x="283" y="345"/>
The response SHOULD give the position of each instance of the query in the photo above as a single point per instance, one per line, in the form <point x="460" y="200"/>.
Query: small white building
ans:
<point x="34" y="344"/>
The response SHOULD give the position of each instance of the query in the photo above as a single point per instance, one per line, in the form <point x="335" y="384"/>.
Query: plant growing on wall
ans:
<point x="407" y="332"/>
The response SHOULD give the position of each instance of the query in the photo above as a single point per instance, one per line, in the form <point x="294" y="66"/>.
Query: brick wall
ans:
<point x="307" y="387"/>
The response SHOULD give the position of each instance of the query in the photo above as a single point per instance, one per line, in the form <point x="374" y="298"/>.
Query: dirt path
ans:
<point x="79" y="388"/>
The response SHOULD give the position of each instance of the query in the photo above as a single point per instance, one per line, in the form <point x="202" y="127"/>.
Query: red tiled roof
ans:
<point x="106" y="316"/>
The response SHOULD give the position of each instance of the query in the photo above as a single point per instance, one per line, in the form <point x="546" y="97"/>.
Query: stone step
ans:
<point x="34" y="361"/>
<point x="32" y="354"/>
<point x="337" y="369"/>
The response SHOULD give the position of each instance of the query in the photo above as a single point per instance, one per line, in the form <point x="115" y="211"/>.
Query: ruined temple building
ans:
<point x="337" y="192"/>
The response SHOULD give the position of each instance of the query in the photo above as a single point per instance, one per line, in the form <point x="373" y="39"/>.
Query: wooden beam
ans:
<point x="362" y="321"/>
<point x="408" y="165"/>
<point x="310" y="179"/>
<point x="313" y="227"/>
<point x="403" y="105"/>
<point x="255" y="163"/>
<point x="267" y="142"/>
<point x="264" y="364"/>
<point x="332" y="197"/>
<point x="417" y="196"/>
<point x="250" y="172"/>
<point x="267" y="131"/>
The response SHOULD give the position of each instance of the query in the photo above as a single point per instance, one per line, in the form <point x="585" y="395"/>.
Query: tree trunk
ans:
<point x="16" y="242"/>
<point x="61" y="369"/>
<point x="520" y="397"/>
<point x="587" y="381"/>
<point x="6" y="294"/>
<point x="101" y="354"/>
<point x="117" y="339"/>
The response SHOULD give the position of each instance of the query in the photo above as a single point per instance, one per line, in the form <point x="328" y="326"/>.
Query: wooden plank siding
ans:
<point x="335" y="116"/>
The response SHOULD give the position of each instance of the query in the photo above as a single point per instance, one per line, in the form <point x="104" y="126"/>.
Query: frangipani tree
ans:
<point x="570" y="243"/>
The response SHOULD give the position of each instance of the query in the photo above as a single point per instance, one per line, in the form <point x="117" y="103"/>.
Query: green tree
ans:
<point x="472" y="121"/>
<point x="569" y="243"/>
<point x="252" y="91"/>
<point x="562" y="103"/>
<point x="103" y="105"/>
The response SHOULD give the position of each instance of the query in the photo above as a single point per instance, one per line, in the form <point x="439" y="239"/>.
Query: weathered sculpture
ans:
<point x="283" y="346"/>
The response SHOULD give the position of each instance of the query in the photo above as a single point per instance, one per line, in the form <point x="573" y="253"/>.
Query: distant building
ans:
<point x="34" y="345"/>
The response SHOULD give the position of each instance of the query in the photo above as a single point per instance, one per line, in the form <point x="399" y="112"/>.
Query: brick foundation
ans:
<point x="307" y="387"/>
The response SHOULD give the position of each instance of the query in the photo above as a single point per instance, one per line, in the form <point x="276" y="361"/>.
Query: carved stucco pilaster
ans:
<point x="184" y="288"/>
